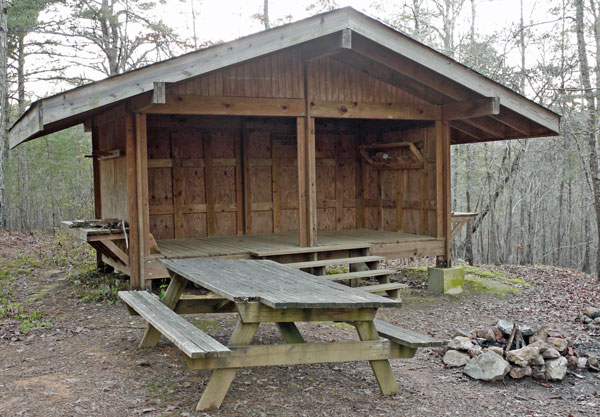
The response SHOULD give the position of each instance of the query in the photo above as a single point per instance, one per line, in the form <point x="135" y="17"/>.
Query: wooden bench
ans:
<point x="405" y="337"/>
<point x="187" y="337"/>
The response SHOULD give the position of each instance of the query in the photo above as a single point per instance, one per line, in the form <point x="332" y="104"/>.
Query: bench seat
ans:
<point x="405" y="337"/>
<point x="187" y="337"/>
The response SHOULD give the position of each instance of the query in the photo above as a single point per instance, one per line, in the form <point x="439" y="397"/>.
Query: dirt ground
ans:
<point x="64" y="354"/>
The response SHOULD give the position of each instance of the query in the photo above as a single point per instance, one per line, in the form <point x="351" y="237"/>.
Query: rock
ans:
<point x="455" y="359"/>
<point x="526" y="331"/>
<point x="585" y="319"/>
<point x="550" y="353"/>
<point x="523" y="356"/>
<point x="571" y="361"/>
<point x="556" y="369"/>
<point x="592" y="312"/>
<point x="505" y="326"/>
<point x="460" y="343"/>
<point x="499" y="336"/>
<point x="518" y="372"/>
<point x="558" y="343"/>
<point x="540" y="334"/>
<point x="476" y="351"/>
<point x="542" y="346"/>
<point x="556" y="333"/>
<point x="495" y="349"/>
<point x="582" y="363"/>
<point x="462" y="333"/>
<point x="488" y="366"/>
<point x="593" y="361"/>
<point x="487" y="334"/>
<point x="480" y="341"/>
<point x="539" y="373"/>
<point x="538" y="361"/>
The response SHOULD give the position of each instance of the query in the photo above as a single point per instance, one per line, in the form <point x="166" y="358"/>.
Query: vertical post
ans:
<point x="97" y="185"/>
<point x="141" y="158"/>
<point x="442" y="159"/>
<point x="132" y="203"/>
<point x="307" y="173"/>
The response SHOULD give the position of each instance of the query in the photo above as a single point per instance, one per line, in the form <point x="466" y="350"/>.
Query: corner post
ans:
<point x="443" y="190"/>
<point x="135" y="245"/>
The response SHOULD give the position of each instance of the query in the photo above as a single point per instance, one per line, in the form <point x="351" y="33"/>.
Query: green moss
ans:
<point x="477" y="284"/>
<point x="486" y="273"/>
<point x="207" y="325"/>
<point x="342" y="325"/>
<point x="41" y="293"/>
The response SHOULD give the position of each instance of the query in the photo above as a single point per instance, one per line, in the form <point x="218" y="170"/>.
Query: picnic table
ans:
<point x="267" y="292"/>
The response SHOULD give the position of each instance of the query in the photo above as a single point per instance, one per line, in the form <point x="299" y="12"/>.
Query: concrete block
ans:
<point x="446" y="280"/>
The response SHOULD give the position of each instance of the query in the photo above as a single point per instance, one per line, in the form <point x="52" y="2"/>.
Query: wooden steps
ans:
<point x="405" y="337"/>
<point x="314" y="249"/>
<point x="335" y="261"/>
<point x="361" y="274"/>
<point x="391" y="290"/>
<point x="187" y="337"/>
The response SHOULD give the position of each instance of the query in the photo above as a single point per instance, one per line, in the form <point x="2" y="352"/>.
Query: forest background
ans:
<point x="538" y="200"/>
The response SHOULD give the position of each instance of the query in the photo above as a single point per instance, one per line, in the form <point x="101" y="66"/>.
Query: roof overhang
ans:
<point x="385" y="50"/>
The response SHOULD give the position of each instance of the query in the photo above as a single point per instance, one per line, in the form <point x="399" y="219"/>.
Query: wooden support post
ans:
<point x="307" y="173"/>
<point x="221" y="379"/>
<point x="290" y="332"/>
<point x="97" y="187"/>
<point x="141" y="170"/>
<point x="132" y="204"/>
<point x="442" y="166"/>
<point x="381" y="368"/>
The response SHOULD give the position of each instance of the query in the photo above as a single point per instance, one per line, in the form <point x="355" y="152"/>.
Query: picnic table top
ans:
<point x="272" y="284"/>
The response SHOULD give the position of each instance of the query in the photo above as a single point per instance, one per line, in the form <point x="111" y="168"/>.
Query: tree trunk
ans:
<point x="3" y="109"/>
<point x="584" y="70"/>
<point x="266" y="19"/>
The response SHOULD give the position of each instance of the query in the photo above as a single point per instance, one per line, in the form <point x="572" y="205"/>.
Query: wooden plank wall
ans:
<point x="211" y="176"/>
<point x="113" y="172"/>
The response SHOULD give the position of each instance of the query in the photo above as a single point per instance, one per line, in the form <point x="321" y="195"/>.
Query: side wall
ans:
<point x="113" y="172"/>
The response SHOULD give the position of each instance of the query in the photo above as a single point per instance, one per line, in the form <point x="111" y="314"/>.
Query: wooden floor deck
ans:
<point x="383" y="243"/>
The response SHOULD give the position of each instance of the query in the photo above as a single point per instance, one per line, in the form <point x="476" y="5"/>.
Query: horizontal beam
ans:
<point x="304" y="353"/>
<point x="259" y="313"/>
<point x="361" y="110"/>
<point x="330" y="45"/>
<point x="28" y="125"/>
<point x="230" y="106"/>
<point x="473" y="108"/>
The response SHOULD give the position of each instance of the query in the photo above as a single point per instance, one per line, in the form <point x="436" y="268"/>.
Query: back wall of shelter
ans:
<point x="227" y="175"/>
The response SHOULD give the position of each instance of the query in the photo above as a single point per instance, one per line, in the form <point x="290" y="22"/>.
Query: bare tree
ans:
<point x="3" y="106"/>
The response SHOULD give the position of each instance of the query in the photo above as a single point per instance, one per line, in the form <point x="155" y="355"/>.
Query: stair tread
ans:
<point x="326" y="262"/>
<point x="384" y="287"/>
<point x="360" y="274"/>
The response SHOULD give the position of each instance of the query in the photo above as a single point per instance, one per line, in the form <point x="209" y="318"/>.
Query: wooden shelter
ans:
<point x="325" y="137"/>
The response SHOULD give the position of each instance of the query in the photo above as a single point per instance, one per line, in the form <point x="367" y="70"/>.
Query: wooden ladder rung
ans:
<point x="338" y="261"/>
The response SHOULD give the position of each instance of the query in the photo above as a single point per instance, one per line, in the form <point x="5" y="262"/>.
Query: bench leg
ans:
<point x="381" y="368"/>
<point x="170" y="299"/>
<point x="221" y="379"/>
<point x="290" y="332"/>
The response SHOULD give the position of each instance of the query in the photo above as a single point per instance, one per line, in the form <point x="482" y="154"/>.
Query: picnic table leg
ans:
<point x="381" y="368"/>
<point x="290" y="332"/>
<point x="170" y="299"/>
<point x="221" y="379"/>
